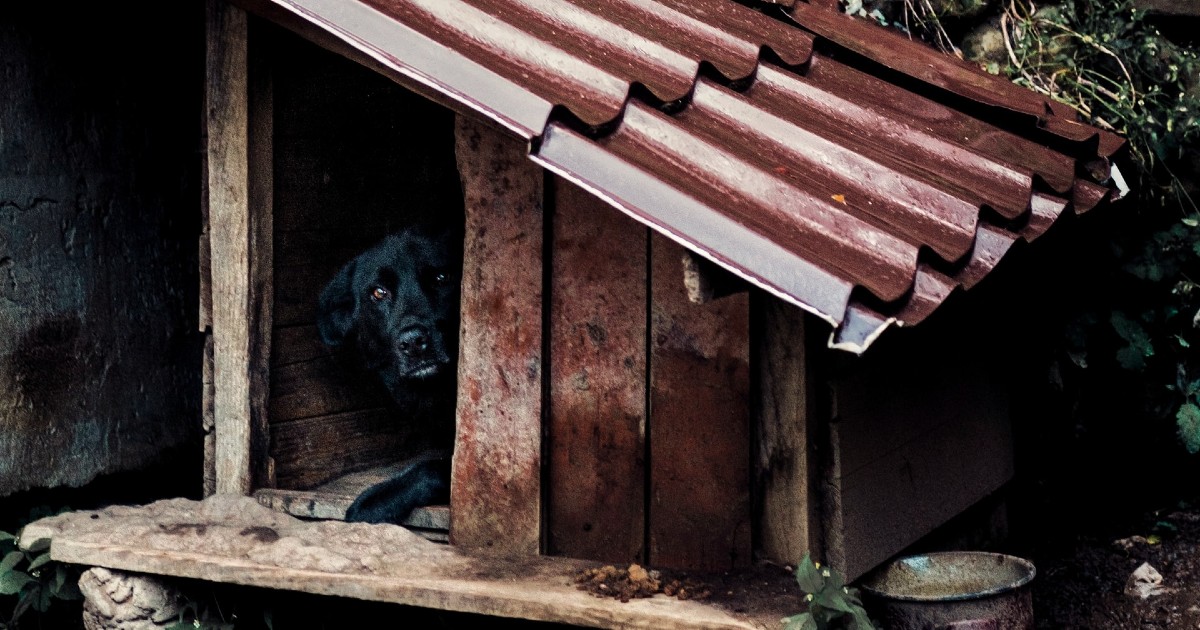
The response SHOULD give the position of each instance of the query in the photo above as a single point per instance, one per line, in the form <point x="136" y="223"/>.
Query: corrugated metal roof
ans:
<point x="837" y="165"/>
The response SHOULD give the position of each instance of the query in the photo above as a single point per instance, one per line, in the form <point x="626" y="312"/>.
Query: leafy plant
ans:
<point x="33" y="579"/>
<point x="1108" y="61"/>
<point x="831" y="604"/>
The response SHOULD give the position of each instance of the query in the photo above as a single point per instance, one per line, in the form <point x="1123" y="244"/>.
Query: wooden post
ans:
<point x="699" y="422"/>
<point x="496" y="488"/>
<point x="597" y="417"/>
<point x="239" y="193"/>
<point x="784" y="468"/>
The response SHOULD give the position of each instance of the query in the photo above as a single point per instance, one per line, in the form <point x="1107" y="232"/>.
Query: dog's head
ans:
<point x="396" y="305"/>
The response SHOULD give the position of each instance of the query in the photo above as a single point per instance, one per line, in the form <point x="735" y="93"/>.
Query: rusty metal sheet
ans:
<point x="841" y="167"/>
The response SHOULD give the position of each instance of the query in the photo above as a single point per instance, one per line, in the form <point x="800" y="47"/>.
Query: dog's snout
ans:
<point x="413" y="341"/>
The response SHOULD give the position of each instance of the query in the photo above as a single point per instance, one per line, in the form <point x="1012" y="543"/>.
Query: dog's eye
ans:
<point x="441" y="278"/>
<point x="379" y="293"/>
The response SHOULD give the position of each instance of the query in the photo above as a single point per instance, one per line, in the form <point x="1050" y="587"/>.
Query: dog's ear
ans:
<point x="335" y="310"/>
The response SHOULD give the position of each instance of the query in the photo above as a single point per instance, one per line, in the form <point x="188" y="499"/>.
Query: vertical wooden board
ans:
<point x="597" y="417"/>
<point x="207" y="422"/>
<point x="922" y="432"/>
<point x="785" y="500"/>
<point x="699" y="422"/>
<point x="239" y="185"/>
<point x="496" y="486"/>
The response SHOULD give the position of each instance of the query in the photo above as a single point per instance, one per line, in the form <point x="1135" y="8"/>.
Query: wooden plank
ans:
<point x="320" y="387"/>
<point x="316" y="450"/>
<point x="785" y="473"/>
<point x="233" y="540"/>
<point x="920" y="438"/>
<point x="239" y="180"/>
<point x="597" y="419"/>
<point x="296" y="344"/>
<point x="298" y="288"/>
<point x="496" y="486"/>
<point x="699" y="422"/>
<point x="207" y="419"/>
<point x="330" y="500"/>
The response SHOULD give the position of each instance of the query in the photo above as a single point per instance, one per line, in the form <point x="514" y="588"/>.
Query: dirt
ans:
<point x="1084" y="584"/>
<point x="637" y="582"/>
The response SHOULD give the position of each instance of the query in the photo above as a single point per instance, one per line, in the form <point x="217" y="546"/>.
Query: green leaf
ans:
<point x="1188" y="421"/>
<point x="7" y="536"/>
<point x="803" y="621"/>
<point x="808" y="576"/>
<point x="1132" y="356"/>
<point x="10" y="560"/>
<point x="12" y="582"/>
<point x="39" y="562"/>
<point x="42" y="600"/>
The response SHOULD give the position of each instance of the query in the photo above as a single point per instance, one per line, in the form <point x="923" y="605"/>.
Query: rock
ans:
<point x="1146" y="582"/>
<point x="985" y="45"/>
<point x="115" y="600"/>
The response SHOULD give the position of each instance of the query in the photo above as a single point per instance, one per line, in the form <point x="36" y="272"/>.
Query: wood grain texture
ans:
<point x="208" y="423"/>
<point x="922" y="432"/>
<point x="315" y="450"/>
<point x="699" y="422"/>
<point x="239" y="179"/>
<point x="785" y="501"/>
<point x="597" y="418"/>
<point x="496" y="489"/>
<point x="233" y="540"/>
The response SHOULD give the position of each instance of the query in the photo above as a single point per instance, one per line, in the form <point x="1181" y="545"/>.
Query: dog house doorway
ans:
<point x="353" y="157"/>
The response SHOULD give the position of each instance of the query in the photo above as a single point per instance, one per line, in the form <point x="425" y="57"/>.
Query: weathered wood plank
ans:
<point x="496" y="487"/>
<point x="299" y="288"/>
<point x="318" y="387"/>
<point x="597" y="417"/>
<point x="207" y="419"/>
<point x="315" y="450"/>
<point x="262" y="548"/>
<point x="296" y="344"/>
<point x="786" y="501"/>
<point x="916" y="449"/>
<point x="699" y="422"/>
<point x="330" y="500"/>
<point x="239" y="185"/>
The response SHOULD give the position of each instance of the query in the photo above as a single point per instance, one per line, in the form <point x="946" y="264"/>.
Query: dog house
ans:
<point x="680" y="219"/>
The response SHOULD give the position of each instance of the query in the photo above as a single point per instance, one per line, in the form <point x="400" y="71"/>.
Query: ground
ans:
<point x="1083" y="584"/>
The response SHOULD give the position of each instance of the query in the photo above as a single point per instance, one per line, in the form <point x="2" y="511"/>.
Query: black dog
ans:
<point x="394" y="309"/>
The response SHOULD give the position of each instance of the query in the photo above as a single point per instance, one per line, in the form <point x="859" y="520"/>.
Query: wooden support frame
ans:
<point x="496" y="490"/>
<point x="787" y="435"/>
<point x="239" y="166"/>
<point x="597" y="419"/>
<point x="699" y="508"/>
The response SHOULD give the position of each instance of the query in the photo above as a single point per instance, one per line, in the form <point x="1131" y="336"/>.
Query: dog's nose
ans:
<point x="413" y="342"/>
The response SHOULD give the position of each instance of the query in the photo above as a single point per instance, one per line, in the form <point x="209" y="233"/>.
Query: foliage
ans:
<point x="31" y="578"/>
<point x="831" y="604"/>
<point x="1109" y="62"/>
<point x="1105" y="60"/>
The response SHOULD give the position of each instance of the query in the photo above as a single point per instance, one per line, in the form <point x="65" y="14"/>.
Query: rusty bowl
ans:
<point x="952" y="590"/>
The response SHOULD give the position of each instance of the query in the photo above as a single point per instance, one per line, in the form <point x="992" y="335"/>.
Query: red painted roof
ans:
<point x="838" y="165"/>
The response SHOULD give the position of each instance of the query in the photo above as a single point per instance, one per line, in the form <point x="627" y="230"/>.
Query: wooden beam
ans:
<point x="784" y="469"/>
<point x="239" y="192"/>
<point x="922" y="432"/>
<point x="496" y="488"/>
<point x="699" y="423"/>
<point x="597" y="419"/>
<point x="233" y="540"/>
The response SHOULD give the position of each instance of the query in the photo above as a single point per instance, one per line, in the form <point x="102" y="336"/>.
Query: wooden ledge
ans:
<point x="330" y="501"/>
<point x="235" y="540"/>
